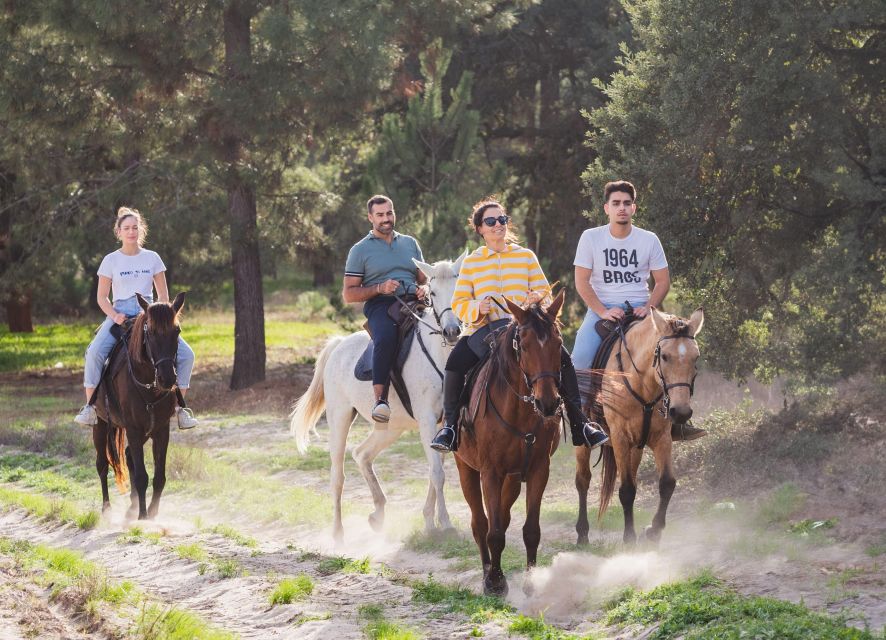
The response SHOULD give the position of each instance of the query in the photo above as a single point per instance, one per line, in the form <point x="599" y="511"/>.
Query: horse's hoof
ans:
<point x="630" y="539"/>
<point x="106" y="506"/>
<point x="652" y="535"/>
<point x="377" y="521"/>
<point x="528" y="587"/>
<point x="338" y="537"/>
<point x="495" y="584"/>
<point x="582" y="541"/>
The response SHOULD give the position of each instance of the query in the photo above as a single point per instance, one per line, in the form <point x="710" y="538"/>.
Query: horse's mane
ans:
<point x="540" y="323"/>
<point x="164" y="320"/>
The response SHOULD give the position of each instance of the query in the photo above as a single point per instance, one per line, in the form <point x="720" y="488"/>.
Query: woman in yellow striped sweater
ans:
<point x="499" y="269"/>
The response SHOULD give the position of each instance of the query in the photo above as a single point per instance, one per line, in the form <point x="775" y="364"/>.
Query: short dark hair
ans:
<point x="619" y="185"/>
<point x="378" y="199"/>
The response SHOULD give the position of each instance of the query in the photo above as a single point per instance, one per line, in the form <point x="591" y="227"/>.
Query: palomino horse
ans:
<point x="650" y="373"/>
<point x="422" y="372"/>
<point x="514" y="434"/>
<point x="141" y="402"/>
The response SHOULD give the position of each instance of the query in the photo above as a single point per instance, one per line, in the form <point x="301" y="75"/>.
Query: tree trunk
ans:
<point x="249" y="320"/>
<point x="18" y="313"/>
<point x="249" y="317"/>
<point x="323" y="276"/>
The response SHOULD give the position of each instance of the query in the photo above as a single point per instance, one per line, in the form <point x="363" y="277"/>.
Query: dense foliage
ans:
<point x="251" y="132"/>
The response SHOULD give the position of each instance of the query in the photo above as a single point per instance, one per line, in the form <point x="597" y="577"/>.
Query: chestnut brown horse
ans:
<point x="514" y="434"/>
<point x="140" y="403"/>
<point x="650" y="374"/>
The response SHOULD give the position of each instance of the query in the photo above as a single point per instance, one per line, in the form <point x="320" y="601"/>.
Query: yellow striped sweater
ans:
<point x="511" y="273"/>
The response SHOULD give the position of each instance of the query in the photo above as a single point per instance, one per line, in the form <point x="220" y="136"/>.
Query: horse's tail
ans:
<point x="312" y="404"/>
<point x="609" y="473"/>
<point x="116" y="442"/>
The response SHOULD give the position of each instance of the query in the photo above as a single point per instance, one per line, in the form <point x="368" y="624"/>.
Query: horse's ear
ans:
<point x="142" y="302"/>
<point x="179" y="302"/>
<point x="658" y="321"/>
<point x="556" y="306"/>
<point x="424" y="267"/>
<point x="456" y="266"/>
<point x="696" y="321"/>
<point x="516" y="310"/>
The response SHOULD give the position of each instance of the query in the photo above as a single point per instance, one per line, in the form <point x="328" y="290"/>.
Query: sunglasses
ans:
<point x="502" y="220"/>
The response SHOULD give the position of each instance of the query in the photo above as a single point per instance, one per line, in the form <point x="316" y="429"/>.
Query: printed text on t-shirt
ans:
<point x="620" y="258"/>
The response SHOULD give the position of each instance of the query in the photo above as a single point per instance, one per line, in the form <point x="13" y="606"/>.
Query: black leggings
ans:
<point x="463" y="358"/>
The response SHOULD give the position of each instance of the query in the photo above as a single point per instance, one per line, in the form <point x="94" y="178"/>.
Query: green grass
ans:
<point x="227" y="568"/>
<point x="193" y="551"/>
<point x="210" y="336"/>
<point x="538" y="629"/>
<point x="136" y="535"/>
<point x="377" y="628"/>
<point x="334" y="564"/>
<point x="292" y="589"/>
<point x="446" y="599"/>
<point x="780" y="506"/>
<point x="55" y="509"/>
<point x="232" y="534"/>
<point x="703" y="607"/>
<point x="158" y="622"/>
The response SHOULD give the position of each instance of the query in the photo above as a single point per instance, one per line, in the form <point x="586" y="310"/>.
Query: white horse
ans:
<point x="334" y="380"/>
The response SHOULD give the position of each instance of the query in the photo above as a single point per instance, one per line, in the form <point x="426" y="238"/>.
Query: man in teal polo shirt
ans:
<point x="379" y="267"/>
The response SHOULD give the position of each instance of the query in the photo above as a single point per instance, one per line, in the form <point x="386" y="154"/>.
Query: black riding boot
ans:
<point x="445" y="440"/>
<point x="584" y="432"/>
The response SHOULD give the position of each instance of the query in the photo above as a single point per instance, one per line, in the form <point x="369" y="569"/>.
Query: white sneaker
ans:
<point x="87" y="416"/>
<point x="381" y="412"/>
<point x="183" y="418"/>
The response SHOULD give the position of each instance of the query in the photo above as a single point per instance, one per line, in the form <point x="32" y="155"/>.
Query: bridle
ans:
<point x="664" y="395"/>
<point x="153" y="385"/>
<point x="665" y="386"/>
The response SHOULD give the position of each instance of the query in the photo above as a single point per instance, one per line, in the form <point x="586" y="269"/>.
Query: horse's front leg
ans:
<point x="364" y="455"/>
<point x="100" y="441"/>
<point x="582" y="484"/>
<point x="495" y="583"/>
<point x="470" y="487"/>
<point x="628" y="463"/>
<point x="132" y="511"/>
<point x="159" y="446"/>
<point x="535" y="488"/>
<point x="139" y="474"/>
<point x="435" y="504"/>
<point x="666" y="484"/>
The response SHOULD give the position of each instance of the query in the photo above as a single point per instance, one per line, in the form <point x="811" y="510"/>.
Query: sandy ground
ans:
<point x="838" y="578"/>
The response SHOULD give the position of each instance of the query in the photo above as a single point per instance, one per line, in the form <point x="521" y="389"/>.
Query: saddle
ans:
<point x="481" y="344"/>
<point x="406" y="327"/>
<point x="590" y="381"/>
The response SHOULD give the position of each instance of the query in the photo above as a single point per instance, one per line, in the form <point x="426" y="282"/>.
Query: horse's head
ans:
<point x="537" y="342"/>
<point x="675" y="358"/>
<point x="442" y="277"/>
<point x="155" y="338"/>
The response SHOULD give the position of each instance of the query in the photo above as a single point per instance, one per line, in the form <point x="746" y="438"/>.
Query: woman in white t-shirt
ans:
<point x="130" y="270"/>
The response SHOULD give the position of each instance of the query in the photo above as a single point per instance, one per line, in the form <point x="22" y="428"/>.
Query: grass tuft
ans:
<point x="334" y="564"/>
<point x="292" y="589"/>
<point x="458" y="600"/>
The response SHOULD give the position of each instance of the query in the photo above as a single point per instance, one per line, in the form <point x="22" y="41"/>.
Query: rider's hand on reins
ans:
<point x="485" y="306"/>
<point x="615" y="314"/>
<point x="387" y="287"/>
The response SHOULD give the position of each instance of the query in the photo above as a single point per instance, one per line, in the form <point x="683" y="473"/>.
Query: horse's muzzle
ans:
<point x="451" y="334"/>
<point x="680" y="414"/>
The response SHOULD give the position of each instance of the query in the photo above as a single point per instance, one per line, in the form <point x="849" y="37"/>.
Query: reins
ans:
<point x="153" y="385"/>
<point x="663" y="396"/>
<point x="528" y="437"/>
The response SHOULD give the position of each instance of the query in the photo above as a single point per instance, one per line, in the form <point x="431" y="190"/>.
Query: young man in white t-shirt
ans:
<point x="612" y="266"/>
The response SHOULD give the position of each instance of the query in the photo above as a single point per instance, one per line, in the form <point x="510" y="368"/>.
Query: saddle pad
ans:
<point x="363" y="368"/>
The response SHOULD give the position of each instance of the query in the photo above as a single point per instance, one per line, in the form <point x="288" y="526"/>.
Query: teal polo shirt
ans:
<point x="375" y="261"/>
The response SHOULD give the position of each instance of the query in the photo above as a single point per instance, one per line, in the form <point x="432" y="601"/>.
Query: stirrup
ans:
<point x="593" y="435"/>
<point x="444" y="441"/>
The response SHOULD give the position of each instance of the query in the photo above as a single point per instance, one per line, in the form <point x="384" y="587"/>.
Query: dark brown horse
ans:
<point x="514" y="435"/>
<point x="651" y="371"/>
<point x="140" y="403"/>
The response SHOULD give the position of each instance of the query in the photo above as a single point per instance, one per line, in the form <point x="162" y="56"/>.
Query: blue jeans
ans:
<point x="384" y="337"/>
<point x="587" y="340"/>
<point x="101" y="345"/>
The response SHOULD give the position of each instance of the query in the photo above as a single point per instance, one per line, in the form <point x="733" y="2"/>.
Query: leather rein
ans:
<point x="529" y="438"/>
<point x="153" y="386"/>
<point x="663" y="395"/>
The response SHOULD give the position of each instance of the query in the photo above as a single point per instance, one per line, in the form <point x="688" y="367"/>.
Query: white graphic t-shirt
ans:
<point x="131" y="274"/>
<point x="620" y="268"/>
